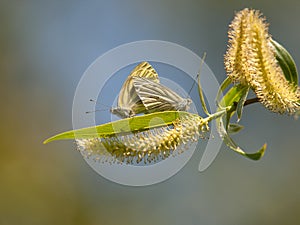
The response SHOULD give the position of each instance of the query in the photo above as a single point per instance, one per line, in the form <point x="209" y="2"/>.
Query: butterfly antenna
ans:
<point x="198" y="74"/>
<point x="94" y="101"/>
<point x="97" y="110"/>
<point x="192" y="87"/>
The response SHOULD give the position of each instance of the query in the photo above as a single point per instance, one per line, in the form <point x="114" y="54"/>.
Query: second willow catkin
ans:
<point x="250" y="60"/>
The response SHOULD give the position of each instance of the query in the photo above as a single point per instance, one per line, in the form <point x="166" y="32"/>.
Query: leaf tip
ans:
<point x="259" y="154"/>
<point x="47" y="141"/>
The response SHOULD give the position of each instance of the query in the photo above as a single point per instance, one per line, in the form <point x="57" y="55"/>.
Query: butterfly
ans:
<point x="129" y="103"/>
<point x="157" y="97"/>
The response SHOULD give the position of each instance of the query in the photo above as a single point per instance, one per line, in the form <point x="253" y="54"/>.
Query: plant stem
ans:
<point x="217" y="114"/>
<point x="251" y="101"/>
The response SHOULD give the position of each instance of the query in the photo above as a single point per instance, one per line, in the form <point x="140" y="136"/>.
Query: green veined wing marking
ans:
<point x="157" y="97"/>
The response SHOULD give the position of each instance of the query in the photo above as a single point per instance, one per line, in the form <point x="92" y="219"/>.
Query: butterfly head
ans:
<point x="184" y="105"/>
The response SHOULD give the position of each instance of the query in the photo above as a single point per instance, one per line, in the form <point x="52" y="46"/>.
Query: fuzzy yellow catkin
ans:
<point x="147" y="146"/>
<point x="250" y="60"/>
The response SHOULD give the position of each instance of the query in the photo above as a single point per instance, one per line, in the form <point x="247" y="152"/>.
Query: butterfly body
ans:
<point x="122" y="112"/>
<point x="184" y="105"/>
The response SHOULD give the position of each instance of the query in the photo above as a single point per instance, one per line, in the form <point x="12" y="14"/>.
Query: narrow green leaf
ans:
<point x="234" y="128"/>
<point x="240" y="104"/>
<point x="134" y="124"/>
<point x="286" y="62"/>
<point x="228" y="116"/>
<point x="233" y="95"/>
<point x="230" y="99"/>
<point x="200" y="91"/>
<point x="230" y="143"/>
<point x="222" y="88"/>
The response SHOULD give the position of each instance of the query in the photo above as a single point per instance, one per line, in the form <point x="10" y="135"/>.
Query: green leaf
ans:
<point x="222" y="88"/>
<point x="230" y="143"/>
<point x="230" y="99"/>
<point x="286" y="63"/>
<point x="240" y="105"/>
<point x="200" y="91"/>
<point x="134" y="124"/>
<point x="234" y="96"/>
<point x="234" y="128"/>
<point x="228" y="116"/>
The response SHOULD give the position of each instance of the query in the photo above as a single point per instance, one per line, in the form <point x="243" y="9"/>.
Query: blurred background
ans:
<point x="45" y="48"/>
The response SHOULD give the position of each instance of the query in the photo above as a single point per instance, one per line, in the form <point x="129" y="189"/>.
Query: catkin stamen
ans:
<point x="250" y="60"/>
<point x="147" y="146"/>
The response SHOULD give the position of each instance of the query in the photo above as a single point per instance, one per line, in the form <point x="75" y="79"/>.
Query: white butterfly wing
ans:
<point x="128" y="101"/>
<point x="145" y="70"/>
<point x="157" y="97"/>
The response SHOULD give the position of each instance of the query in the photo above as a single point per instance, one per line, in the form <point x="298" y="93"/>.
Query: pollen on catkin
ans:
<point x="146" y="146"/>
<point x="250" y="60"/>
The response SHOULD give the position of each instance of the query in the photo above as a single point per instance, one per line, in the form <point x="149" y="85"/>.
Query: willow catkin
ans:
<point x="250" y="60"/>
<point x="146" y="146"/>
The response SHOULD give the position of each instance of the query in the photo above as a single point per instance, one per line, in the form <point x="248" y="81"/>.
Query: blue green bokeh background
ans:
<point x="45" y="48"/>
